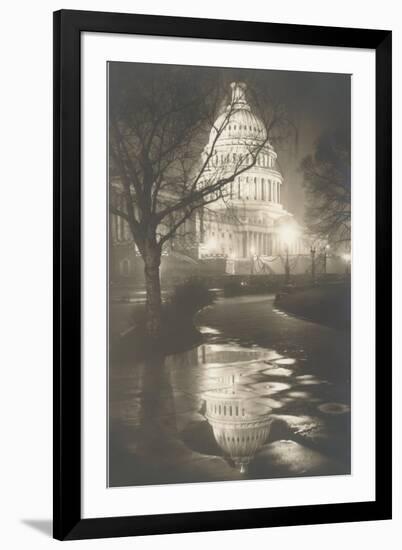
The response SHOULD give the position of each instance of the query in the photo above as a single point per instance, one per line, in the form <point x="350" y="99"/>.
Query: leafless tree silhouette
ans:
<point x="327" y="183"/>
<point x="160" y="118"/>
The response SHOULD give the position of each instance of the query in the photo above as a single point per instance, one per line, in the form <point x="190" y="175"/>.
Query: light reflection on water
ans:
<point x="289" y="380"/>
<point x="245" y="389"/>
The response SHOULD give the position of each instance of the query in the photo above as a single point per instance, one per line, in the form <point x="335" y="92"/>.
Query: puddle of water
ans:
<point x="270" y="388"/>
<point x="311" y="382"/>
<point x="240" y="425"/>
<point x="208" y="330"/>
<point x="241" y="399"/>
<point x="277" y="371"/>
<point x="299" y="394"/>
<point x="285" y="361"/>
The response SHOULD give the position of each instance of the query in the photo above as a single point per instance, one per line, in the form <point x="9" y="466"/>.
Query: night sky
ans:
<point x="317" y="103"/>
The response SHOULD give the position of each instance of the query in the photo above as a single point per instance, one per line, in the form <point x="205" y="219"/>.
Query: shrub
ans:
<point x="190" y="296"/>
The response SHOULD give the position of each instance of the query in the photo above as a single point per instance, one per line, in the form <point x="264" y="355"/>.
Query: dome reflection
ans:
<point x="240" y="424"/>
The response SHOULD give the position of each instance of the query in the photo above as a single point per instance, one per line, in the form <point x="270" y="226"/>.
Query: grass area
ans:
<point x="327" y="304"/>
<point x="127" y="328"/>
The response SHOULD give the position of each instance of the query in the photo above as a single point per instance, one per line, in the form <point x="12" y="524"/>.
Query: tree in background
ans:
<point x="327" y="183"/>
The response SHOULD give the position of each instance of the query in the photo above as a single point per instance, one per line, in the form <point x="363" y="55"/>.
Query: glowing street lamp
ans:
<point x="210" y="245"/>
<point x="347" y="258"/>
<point x="326" y="248"/>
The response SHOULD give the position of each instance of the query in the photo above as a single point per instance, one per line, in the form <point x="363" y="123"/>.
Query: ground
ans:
<point x="295" y="370"/>
<point x="329" y="304"/>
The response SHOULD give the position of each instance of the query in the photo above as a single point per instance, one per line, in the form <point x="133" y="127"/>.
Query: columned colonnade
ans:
<point x="259" y="189"/>
<point x="259" y="243"/>
<point x="266" y="244"/>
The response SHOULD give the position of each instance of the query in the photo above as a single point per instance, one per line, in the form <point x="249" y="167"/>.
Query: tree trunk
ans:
<point x="152" y="260"/>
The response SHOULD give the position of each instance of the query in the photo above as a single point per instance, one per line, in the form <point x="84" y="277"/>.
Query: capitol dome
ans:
<point x="238" y="121"/>
<point x="240" y="221"/>
<point x="238" y="139"/>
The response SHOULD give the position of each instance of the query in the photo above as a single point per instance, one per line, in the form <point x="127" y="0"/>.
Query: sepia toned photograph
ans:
<point x="229" y="274"/>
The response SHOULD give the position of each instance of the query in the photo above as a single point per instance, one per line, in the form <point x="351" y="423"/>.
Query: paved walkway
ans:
<point x="295" y="371"/>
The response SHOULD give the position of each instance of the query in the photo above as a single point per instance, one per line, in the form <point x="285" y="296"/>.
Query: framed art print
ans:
<point x="222" y="269"/>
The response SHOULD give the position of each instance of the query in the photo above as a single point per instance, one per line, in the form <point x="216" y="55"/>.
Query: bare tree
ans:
<point x="327" y="183"/>
<point x="159" y="121"/>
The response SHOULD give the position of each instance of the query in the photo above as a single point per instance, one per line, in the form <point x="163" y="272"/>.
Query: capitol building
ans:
<point x="247" y="229"/>
<point x="249" y="223"/>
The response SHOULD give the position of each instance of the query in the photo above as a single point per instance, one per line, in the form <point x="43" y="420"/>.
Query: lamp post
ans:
<point x="288" y="233"/>
<point x="346" y="258"/>
<point x="287" y="266"/>
<point x="324" y="266"/>
<point x="252" y="252"/>
<point x="312" y="252"/>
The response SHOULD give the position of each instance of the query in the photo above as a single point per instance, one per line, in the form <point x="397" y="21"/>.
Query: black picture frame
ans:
<point x="68" y="26"/>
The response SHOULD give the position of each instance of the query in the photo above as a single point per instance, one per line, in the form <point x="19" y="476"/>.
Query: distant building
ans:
<point x="246" y="231"/>
<point x="247" y="223"/>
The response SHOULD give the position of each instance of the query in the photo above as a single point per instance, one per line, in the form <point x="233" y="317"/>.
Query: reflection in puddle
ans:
<point x="241" y="397"/>
<point x="208" y="330"/>
<point x="234" y="407"/>
<point x="240" y="426"/>
<point x="285" y="361"/>
<point x="299" y="394"/>
<point x="278" y="371"/>
<point x="245" y="392"/>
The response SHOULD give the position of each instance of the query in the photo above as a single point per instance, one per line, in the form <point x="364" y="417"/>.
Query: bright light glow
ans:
<point x="252" y="250"/>
<point x="288" y="234"/>
<point x="211" y="244"/>
<point x="346" y="257"/>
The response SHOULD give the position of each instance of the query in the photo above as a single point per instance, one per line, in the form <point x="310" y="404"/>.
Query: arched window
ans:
<point x="263" y="189"/>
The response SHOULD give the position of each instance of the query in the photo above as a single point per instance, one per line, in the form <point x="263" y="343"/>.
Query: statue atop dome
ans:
<point x="239" y="95"/>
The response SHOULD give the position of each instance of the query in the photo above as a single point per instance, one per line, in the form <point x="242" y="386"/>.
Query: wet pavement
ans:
<point x="265" y="395"/>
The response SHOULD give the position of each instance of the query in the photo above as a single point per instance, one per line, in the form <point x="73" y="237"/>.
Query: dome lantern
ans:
<point x="239" y="95"/>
